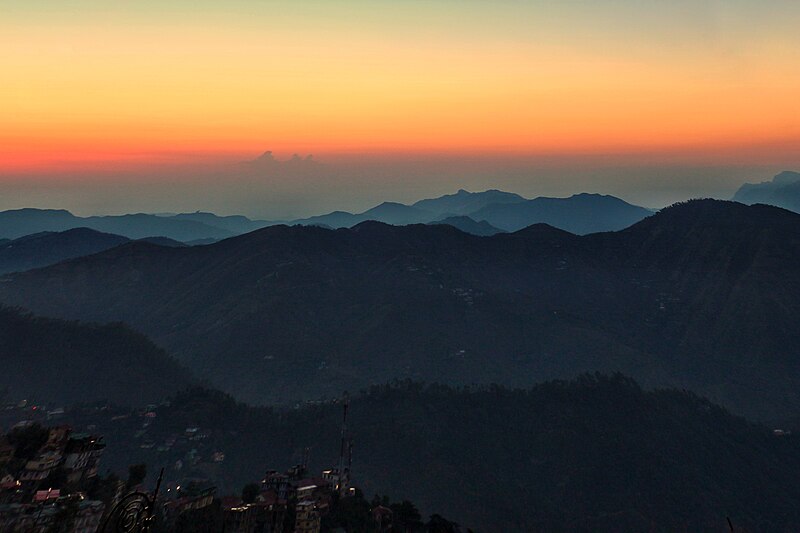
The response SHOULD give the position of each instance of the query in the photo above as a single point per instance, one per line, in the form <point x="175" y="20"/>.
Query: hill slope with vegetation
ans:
<point x="57" y="362"/>
<point x="703" y="295"/>
<point x="594" y="454"/>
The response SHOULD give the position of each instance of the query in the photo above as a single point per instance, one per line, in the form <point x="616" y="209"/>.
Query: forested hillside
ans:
<point x="59" y="363"/>
<point x="594" y="454"/>
<point x="704" y="295"/>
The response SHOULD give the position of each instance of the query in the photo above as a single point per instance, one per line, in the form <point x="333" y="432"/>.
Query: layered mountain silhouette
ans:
<point x="468" y="225"/>
<point x="702" y="295"/>
<point x="782" y="191"/>
<point x="53" y="361"/>
<point x="387" y="212"/>
<point x="235" y="224"/>
<point x="20" y="222"/>
<point x="464" y="203"/>
<point x="580" y="213"/>
<point x="48" y="248"/>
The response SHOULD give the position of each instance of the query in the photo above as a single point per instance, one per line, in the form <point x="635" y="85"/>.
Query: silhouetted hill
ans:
<point x="703" y="295"/>
<point x="21" y="222"/>
<point x="48" y="360"/>
<point x="140" y="226"/>
<point x="468" y="225"/>
<point x="47" y="248"/>
<point x="579" y="214"/>
<point x="164" y="241"/>
<point x="594" y="454"/>
<point x="388" y="212"/>
<point x="395" y="213"/>
<point x="782" y="191"/>
<point x="464" y="203"/>
<point x="236" y="224"/>
<point x="17" y="223"/>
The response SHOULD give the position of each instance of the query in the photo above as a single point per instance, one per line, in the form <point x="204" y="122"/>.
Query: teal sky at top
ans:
<point x="646" y="22"/>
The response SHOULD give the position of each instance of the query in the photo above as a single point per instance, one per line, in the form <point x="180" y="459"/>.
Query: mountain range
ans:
<point x="703" y="295"/>
<point x="490" y="211"/>
<point x="21" y="222"/>
<point x="782" y="191"/>
<point x="580" y="213"/>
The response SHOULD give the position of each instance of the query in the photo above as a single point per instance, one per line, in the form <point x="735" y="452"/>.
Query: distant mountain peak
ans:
<point x="785" y="177"/>
<point x="388" y="205"/>
<point x="782" y="191"/>
<point x="268" y="159"/>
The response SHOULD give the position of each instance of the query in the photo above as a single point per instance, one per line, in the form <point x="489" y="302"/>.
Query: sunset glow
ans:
<point x="84" y="83"/>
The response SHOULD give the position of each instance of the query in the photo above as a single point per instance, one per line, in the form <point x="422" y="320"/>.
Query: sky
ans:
<point x="153" y="106"/>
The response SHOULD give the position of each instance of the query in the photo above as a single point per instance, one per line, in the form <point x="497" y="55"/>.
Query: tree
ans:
<point x="64" y="518"/>
<point x="439" y="524"/>
<point x="250" y="492"/>
<point x="136" y="475"/>
<point x="406" y="517"/>
<point x="28" y="440"/>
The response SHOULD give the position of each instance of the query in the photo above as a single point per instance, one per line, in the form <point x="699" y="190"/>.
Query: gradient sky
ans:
<point x="105" y="105"/>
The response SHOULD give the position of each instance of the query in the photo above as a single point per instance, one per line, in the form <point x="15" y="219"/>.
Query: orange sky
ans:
<point x="84" y="85"/>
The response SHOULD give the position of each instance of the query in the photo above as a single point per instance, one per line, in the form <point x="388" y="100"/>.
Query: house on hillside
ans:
<point x="307" y="518"/>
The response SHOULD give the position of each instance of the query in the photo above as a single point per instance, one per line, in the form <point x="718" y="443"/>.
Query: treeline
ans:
<point x="47" y="360"/>
<point x="597" y="453"/>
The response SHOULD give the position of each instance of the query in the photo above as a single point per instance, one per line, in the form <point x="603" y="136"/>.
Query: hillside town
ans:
<point x="46" y="475"/>
<point x="51" y="481"/>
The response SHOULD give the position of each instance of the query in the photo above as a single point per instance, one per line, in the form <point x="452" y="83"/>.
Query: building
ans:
<point x="307" y="518"/>
<point x="8" y="482"/>
<point x="193" y="497"/>
<point x="57" y="437"/>
<point x="278" y="483"/>
<point x="265" y="515"/>
<point x="339" y="482"/>
<point x="82" y="456"/>
<point x="39" y="468"/>
<point x="45" y="517"/>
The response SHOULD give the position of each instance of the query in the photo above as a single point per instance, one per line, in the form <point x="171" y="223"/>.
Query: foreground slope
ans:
<point x="595" y="454"/>
<point x="58" y="362"/>
<point x="702" y="295"/>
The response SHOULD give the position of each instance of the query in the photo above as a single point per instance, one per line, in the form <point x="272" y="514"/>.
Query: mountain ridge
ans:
<point x="782" y="191"/>
<point x="684" y="298"/>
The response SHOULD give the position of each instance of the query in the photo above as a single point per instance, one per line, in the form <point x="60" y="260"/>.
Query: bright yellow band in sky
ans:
<point x="82" y="83"/>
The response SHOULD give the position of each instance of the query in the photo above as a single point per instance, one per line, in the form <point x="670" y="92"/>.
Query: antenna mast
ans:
<point x="343" y="448"/>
